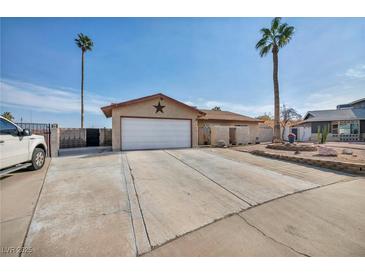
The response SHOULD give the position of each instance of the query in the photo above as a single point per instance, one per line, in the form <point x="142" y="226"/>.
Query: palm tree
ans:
<point x="8" y="115"/>
<point x="273" y="39"/>
<point x="85" y="44"/>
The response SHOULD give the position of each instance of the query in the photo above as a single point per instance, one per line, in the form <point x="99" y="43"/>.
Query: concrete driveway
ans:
<point x="195" y="202"/>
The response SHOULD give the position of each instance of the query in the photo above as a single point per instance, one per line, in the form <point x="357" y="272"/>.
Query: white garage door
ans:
<point x="145" y="133"/>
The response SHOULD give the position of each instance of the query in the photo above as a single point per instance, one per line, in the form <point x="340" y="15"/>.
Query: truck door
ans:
<point x="14" y="149"/>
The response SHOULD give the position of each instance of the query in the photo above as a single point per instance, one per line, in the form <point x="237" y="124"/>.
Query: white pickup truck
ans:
<point x="19" y="148"/>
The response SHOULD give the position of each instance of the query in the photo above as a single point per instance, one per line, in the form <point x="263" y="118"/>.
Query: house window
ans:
<point x="348" y="127"/>
<point x="334" y="128"/>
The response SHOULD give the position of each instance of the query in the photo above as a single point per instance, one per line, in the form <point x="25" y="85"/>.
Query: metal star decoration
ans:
<point x="159" y="107"/>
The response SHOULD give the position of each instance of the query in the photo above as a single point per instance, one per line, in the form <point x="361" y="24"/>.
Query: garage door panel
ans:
<point x="145" y="133"/>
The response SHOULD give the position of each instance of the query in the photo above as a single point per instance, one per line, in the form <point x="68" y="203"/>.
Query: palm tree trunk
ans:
<point x="276" y="95"/>
<point x="82" y="90"/>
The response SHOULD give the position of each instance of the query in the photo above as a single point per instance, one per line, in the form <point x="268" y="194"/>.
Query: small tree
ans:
<point x="287" y="115"/>
<point x="265" y="117"/>
<point x="217" y="108"/>
<point x="8" y="115"/>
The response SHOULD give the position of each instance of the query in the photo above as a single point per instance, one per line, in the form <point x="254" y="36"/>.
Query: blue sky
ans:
<point x="200" y="61"/>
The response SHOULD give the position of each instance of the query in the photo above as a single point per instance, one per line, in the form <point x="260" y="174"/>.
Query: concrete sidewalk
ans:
<point x="19" y="193"/>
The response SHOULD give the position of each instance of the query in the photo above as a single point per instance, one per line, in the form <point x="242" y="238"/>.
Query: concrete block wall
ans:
<point x="254" y="133"/>
<point x="204" y="136"/>
<point x="105" y="136"/>
<point x="72" y="137"/>
<point x="265" y="133"/>
<point x="243" y="135"/>
<point x="219" y="133"/>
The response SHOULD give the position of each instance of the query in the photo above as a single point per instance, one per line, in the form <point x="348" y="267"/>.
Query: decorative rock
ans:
<point x="347" y="151"/>
<point x="221" y="143"/>
<point x="326" y="151"/>
<point x="292" y="147"/>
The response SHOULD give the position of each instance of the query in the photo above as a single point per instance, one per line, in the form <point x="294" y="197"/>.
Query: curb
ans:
<point x="353" y="168"/>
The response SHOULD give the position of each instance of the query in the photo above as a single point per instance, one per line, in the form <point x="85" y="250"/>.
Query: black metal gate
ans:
<point x="40" y="129"/>
<point x="92" y="137"/>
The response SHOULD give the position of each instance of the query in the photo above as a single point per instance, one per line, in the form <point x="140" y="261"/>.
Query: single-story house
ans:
<point x="345" y="123"/>
<point x="232" y="128"/>
<point x="159" y="121"/>
<point x="152" y="122"/>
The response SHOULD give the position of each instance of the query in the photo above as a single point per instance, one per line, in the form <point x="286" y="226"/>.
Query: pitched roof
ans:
<point x="334" y="115"/>
<point x="358" y="101"/>
<point x="225" y="116"/>
<point x="270" y="123"/>
<point x="351" y="104"/>
<point x="107" y="110"/>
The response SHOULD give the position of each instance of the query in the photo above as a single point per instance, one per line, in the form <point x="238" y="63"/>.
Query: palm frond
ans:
<point x="261" y="43"/>
<point x="282" y="27"/>
<point x="275" y="24"/>
<point x="286" y="36"/>
<point x="265" y="50"/>
<point x="84" y="42"/>
<point x="266" y="32"/>
<point x="275" y="37"/>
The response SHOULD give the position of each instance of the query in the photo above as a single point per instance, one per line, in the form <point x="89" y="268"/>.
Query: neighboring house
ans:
<point x="345" y="123"/>
<point x="230" y="127"/>
<point x="158" y="121"/>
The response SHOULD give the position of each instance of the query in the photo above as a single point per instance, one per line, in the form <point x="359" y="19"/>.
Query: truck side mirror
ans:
<point x="27" y="132"/>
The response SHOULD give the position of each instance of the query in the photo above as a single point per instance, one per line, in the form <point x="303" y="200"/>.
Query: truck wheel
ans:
<point x="38" y="158"/>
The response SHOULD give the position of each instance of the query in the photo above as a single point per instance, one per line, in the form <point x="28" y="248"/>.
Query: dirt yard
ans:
<point x="358" y="150"/>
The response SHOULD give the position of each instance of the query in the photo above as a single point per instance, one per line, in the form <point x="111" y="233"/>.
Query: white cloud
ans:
<point x="36" y="97"/>
<point x="356" y="72"/>
<point x="328" y="98"/>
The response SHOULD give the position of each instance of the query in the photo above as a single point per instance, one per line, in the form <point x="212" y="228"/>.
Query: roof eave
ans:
<point x="107" y="110"/>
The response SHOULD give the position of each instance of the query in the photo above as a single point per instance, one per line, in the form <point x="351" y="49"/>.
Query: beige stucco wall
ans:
<point x="146" y="109"/>
<point x="253" y="127"/>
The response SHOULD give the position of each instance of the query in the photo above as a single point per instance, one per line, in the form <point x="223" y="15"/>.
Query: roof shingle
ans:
<point x="335" y="115"/>
<point x="225" y="116"/>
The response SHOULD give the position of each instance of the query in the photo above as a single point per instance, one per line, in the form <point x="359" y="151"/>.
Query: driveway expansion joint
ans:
<point x="210" y="179"/>
<point x="191" y="231"/>
<point x="239" y="214"/>
<point x="138" y="202"/>
<point x="129" y="205"/>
